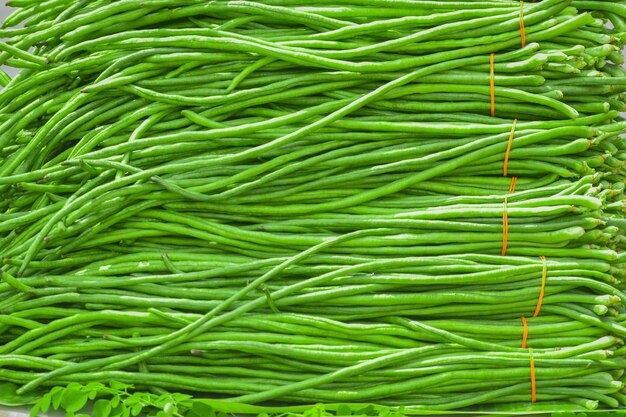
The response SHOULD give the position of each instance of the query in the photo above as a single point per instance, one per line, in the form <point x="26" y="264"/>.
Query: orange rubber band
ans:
<point x="505" y="227"/>
<point x="492" y="83"/>
<point x="505" y="217"/>
<point x="508" y="149"/>
<point x="522" y="28"/>
<point x="544" y="278"/>
<point x="513" y="184"/>
<point x="525" y="335"/>
<point x="533" y="382"/>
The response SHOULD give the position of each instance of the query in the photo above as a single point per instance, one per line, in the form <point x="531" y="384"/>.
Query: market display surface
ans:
<point x="381" y="207"/>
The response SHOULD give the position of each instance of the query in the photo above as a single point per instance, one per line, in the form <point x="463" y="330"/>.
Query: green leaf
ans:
<point x="10" y="398"/>
<point x="344" y="410"/>
<point x="161" y="414"/>
<point x="145" y="397"/>
<point x="161" y="400"/>
<point x="45" y="402"/>
<point x="115" y="401"/>
<point x="126" y="412"/>
<point x="94" y="386"/>
<point x="316" y="411"/>
<point x="169" y="409"/>
<point x="181" y="397"/>
<point x="57" y="394"/>
<point x="117" y="411"/>
<point x="34" y="411"/>
<point x="75" y="386"/>
<point x="101" y="408"/>
<point x="136" y="409"/>
<point x="73" y="399"/>
<point x="119" y="385"/>
<point x="200" y="409"/>
<point x="132" y="400"/>
<point x="367" y="411"/>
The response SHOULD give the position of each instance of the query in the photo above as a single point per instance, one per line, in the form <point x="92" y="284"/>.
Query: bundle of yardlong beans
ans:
<point x="401" y="202"/>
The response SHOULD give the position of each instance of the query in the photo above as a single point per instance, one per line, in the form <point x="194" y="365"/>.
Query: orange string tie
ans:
<point x="492" y="83"/>
<point x="505" y="217"/>
<point x="525" y="334"/>
<point x="533" y="381"/>
<point x="522" y="27"/>
<point x="508" y="148"/>
<point x="544" y="279"/>
<point x="505" y="227"/>
<point x="513" y="184"/>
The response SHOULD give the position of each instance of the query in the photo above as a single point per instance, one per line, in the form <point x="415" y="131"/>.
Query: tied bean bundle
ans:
<point x="406" y="203"/>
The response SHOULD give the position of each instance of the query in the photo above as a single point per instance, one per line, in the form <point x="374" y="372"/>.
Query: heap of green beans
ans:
<point x="290" y="203"/>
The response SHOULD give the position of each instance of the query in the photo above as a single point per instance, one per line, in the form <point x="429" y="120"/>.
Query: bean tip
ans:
<point x="196" y="352"/>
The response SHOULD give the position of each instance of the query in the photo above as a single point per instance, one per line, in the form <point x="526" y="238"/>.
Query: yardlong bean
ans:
<point x="339" y="202"/>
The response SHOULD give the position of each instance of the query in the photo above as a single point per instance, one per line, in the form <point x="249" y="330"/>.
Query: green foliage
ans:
<point x="122" y="400"/>
<point x="115" y="400"/>
<point x="10" y="398"/>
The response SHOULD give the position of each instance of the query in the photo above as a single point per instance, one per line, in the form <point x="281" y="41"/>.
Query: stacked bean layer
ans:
<point x="275" y="202"/>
